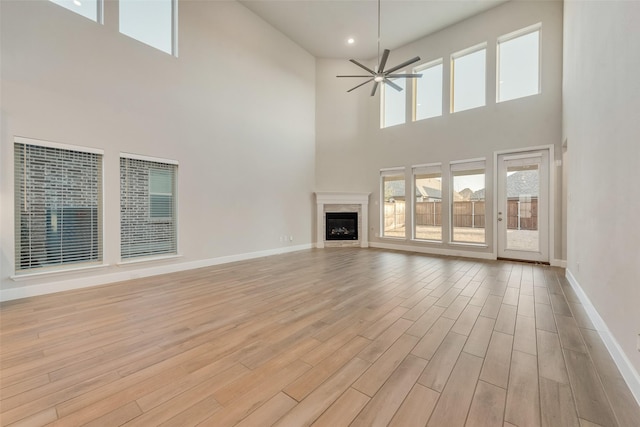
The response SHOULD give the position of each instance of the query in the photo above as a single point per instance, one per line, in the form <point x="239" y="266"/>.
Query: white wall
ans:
<point x="235" y="108"/>
<point x="351" y="148"/>
<point x="601" y="110"/>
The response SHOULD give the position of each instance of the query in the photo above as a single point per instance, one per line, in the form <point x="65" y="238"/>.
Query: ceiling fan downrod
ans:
<point x="380" y="75"/>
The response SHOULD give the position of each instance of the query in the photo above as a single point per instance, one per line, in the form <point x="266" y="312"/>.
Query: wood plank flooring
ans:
<point x="331" y="337"/>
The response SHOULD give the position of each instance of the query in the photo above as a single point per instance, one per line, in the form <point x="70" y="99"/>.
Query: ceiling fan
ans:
<point x="380" y="75"/>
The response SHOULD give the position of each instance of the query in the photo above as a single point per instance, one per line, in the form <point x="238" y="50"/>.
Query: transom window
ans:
<point x="427" y="93"/>
<point x="91" y="9"/>
<point x="152" y="22"/>
<point x="394" y="103"/>
<point x="468" y="83"/>
<point x="519" y="64"/>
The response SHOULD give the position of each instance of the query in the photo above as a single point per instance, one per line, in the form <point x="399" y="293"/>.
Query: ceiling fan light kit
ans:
<point x="380" y="75"/>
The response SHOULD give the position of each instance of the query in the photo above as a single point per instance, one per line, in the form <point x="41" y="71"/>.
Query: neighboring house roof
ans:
<point x="394" y="189"/>
<point x="431" y="193"/>
<point x="521" y="183"/>
<point x="518" y="183"/>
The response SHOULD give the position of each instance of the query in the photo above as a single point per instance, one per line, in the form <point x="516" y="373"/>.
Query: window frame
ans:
<point x="512" y="36"/>
<point x="460" y="54"/>
<point x="61" y="267"/>
<point x="421" y="69"/>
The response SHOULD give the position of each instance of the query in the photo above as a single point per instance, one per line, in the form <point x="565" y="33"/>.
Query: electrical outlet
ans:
<point x="638" y="343"/>
<point x="291" y="238"/>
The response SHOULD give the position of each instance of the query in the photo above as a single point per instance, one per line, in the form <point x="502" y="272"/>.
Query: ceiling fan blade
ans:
<point x="393" y="85"/>
<point x="375" y="87"/>
<point x="383" y="60"/>
<point x="406" y="76"/>
<point x="404" y="64"/>
<point x="362" y="66"/>
<point x="353" y="76"/>
<point x="361" y="84"/>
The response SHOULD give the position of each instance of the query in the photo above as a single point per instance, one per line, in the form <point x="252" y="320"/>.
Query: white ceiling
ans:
<point x="322" y="27"/>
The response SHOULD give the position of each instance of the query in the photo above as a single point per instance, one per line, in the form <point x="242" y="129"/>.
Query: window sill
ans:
<point x="399" y="239"/>
<point x="148" y="259"/>
<point x="437" y="242"/>
<point x="25" y="276"/>
<point x="473" y="245"/>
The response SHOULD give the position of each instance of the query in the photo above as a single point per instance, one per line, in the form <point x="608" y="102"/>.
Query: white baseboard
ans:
<point x="433" y="251"/>
<point x="103" y="279"/>
<point x="559" y="263"/>
<point x="621" y="360"/>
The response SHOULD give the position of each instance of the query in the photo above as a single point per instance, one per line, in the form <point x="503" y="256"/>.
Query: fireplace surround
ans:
<point x="345" y="205"/>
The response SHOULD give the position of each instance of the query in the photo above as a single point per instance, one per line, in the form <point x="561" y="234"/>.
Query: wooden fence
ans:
<point x="520" y="215"/>
<point x="394" y="215"/>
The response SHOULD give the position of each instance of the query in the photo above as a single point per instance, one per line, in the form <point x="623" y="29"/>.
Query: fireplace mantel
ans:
<point x="341" y="198"/>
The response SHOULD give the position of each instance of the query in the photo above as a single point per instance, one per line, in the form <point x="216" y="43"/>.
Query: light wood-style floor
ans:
<point x="330" y="337"/>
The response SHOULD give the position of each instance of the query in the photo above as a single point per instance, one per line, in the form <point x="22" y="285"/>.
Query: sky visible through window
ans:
<point x="394" y="103"/>
<point x="86" y="8"/>
<point x="469" y="73"/>
<point x="473" y="182"/>
<point x="518" y="67"/>
<point x="148" y="21"/>
<point x="429" y="92"/>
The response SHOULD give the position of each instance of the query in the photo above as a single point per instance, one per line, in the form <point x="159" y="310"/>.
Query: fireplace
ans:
<point x="355" y="205"/>
<point x="341" y="226"/>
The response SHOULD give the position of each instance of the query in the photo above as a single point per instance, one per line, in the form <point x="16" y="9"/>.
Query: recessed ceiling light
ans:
<point x="351" y="40"/>
<point x="77" y="2"/>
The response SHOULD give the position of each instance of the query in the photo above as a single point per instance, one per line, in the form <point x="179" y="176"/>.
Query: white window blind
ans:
<point x="58" y="206"/>
<point x="147" y="208"/>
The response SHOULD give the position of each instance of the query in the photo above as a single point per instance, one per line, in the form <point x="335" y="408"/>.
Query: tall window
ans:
<point x="150" y="21"/>
<point x="519" y="64"/>
<point x="147" y="207"/>
<point x="427" y="215"/>
<point x="468" y="69"/>
<point x="91" y="9"/>
<point x="393" y="208"/>
<point x="427" y="94"/>
<point x="468" y="202"/>
<point x="394" y="103"/>
<point x="58" y="205"/>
